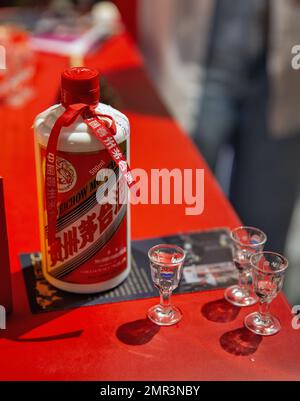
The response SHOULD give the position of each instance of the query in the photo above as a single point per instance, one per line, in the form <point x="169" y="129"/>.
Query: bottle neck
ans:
<point x="89" y="98"/>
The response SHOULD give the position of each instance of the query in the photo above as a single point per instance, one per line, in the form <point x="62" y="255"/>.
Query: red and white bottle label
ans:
<point x="91" y="238"/>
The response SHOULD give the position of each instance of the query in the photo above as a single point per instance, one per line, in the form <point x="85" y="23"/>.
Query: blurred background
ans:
<point x="222" y="67"/>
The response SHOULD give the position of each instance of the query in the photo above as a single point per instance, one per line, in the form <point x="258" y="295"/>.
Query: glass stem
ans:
<point x="264" y="311"/>
<point x="243" y="281"/>
<point x="165" y="297"/>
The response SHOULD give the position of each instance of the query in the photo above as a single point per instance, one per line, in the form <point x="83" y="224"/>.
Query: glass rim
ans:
<point x="174" y="246"/>
<point x="258" y="254"/>
<point x="236" y="229"/>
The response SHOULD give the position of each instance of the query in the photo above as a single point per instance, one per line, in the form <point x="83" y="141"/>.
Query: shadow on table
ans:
<point x="240" y="342"/>
<point x="19" y="323"/>
<point x="220" y="311"/>
<point x="138" y="332"/>
<point x="18" y="328"/>
<point x="136" y="93"/>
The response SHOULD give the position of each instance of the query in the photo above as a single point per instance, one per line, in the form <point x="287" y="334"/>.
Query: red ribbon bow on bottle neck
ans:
<point x="104" y="128"/>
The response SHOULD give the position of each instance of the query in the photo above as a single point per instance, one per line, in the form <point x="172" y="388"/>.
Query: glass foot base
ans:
<point x="269" y="327"/>
<point x="164" y="316"/>
<point x="237" y="297"/>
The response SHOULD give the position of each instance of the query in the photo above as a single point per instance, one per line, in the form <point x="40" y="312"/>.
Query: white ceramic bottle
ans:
<point x="92" y="248"/>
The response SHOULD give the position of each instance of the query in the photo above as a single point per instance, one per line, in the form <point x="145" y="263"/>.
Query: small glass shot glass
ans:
<point x="166" y="263"/>
<point x="246" y="242"/>
<point x="268" y="275"/>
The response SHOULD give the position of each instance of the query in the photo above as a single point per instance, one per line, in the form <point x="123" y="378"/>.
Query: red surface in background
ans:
<point x="115" y="341"/>
<point x="128" y="10"/>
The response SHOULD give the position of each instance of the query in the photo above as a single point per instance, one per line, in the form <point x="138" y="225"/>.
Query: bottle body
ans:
<point x="91" y="251"/>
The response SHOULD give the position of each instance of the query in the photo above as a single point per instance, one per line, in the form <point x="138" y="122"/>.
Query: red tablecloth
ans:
<point x="115" y="341"/>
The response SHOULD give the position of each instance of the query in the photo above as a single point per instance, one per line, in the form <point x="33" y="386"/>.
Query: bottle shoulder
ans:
<point x="77" y="137"/>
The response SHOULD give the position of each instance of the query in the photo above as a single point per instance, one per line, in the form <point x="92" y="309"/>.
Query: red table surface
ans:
<point x="116" y="341"/>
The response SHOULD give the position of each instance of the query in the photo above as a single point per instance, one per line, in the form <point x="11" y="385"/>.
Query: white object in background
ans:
<point x="76" y="37"/>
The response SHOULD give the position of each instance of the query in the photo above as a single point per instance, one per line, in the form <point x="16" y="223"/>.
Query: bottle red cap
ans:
<point x="80" y="85"/>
